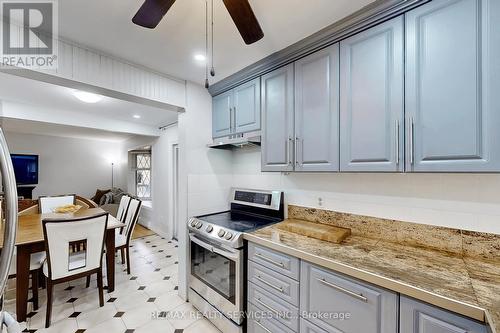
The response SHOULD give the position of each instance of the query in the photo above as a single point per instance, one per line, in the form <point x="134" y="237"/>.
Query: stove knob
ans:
<point x="221" y="233"/>
<point x="193" y="224"/>
<point x="209" y="228"/>
<point x="229" y="235"/>
<point x="199" y="224"/>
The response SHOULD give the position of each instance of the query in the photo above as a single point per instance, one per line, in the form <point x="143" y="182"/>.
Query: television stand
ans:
<point x="25" y="191"/>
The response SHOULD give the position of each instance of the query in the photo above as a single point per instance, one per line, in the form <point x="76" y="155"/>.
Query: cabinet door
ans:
<point x="277" y="120"/>
<point x="417" y="317"/>
<point x="317" y="111"/>
<point x="246" y="106"/>
<point x="222" y="114"/>
<point x="371" y="99"/>
<point x="354" y="306"/>
<point x="452" y="84"/>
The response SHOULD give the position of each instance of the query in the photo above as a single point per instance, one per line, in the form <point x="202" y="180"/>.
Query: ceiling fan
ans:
<point x="152" y="12"/>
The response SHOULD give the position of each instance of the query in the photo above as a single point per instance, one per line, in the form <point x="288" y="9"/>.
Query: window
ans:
<point x="143" y="175"/>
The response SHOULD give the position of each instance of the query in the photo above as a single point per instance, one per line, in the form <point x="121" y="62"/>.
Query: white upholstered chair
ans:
<point x="48" y="204"/>
<point x="62" y="264"/>
<point x="123" y="207"/>
<point x="36" y="262"/>
<point x="122" y="237"/>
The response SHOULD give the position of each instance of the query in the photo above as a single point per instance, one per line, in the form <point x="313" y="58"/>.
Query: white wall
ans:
<point x="467" y="201"/>
<point x="205" y="174"/>
<point x="69" y="165"/>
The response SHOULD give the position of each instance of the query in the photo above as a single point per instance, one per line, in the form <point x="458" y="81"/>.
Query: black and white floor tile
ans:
<point x="145" y="301"/>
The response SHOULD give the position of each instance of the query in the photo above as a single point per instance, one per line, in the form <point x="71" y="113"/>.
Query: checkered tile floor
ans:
<point x="145" y="301"/>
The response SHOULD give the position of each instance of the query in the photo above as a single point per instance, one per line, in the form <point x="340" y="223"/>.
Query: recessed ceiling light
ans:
<point x="86" y="96"/>
<point x="136" y="116"/>
<point x="200" y="57"/>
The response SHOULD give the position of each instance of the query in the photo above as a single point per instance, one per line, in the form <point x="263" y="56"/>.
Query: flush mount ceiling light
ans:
<point x="86" y="96"/>
<point x="136" y="116"/>
<point x="200" y="58"/>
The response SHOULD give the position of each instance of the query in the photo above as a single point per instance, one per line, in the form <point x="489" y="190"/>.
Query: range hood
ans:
<point x="250" y="139"/>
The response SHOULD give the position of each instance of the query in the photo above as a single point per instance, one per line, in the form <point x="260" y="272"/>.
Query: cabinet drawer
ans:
<point x="335" y="302"/>
<point x="280" y="286"/>
<point x="418" y="317"/>
<point x="285" y="313"/>
<point x="280" y="262"/>
<point x="307" y="327"/>
<point x="258" y="323"/>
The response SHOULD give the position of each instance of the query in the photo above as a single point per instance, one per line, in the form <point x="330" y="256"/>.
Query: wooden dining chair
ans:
<point x="62" y="264"/>
<point x="123" y="208"/>
<point x="47" y="204"/>
<point x="36" y="262"/>
<point x="122" y="238"/>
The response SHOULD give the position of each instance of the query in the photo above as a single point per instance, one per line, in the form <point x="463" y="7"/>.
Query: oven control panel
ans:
<point x="216" y="233"/>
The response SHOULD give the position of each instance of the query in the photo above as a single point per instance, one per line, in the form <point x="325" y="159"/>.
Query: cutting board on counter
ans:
<point x="319" y="231"/>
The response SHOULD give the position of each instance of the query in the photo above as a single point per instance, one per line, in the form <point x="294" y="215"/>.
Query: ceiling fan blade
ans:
<point x="245" y="20"/>
<point x="151" y="12"/>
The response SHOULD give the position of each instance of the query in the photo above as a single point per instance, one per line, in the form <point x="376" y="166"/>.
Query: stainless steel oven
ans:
<point x="217" y="276"/>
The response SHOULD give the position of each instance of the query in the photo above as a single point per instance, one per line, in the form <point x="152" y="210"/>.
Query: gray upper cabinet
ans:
<point x="371" y="99"/>
<point x="277" y="120"/>
<point x="418" y="317"/>
<point x="237" y="110"/>
<point x="246" y="107"/>
<point x="317" y="111"/>
<point x="222" y="114"/>
<point x="452" y="84"/>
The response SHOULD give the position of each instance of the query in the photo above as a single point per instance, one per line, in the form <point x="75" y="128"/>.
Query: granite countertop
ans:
<point x="465" y="285"/>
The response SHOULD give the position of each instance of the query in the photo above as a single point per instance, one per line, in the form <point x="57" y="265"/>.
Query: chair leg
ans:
<point x="42" y="279"/>
<point x="100" y="287"/>
<point x="88" y="282"/>
<point x="34" y="288"/>
<point x="49" y="303"/>
<point x="122" y="252"/>
<point x="128" y="260"/>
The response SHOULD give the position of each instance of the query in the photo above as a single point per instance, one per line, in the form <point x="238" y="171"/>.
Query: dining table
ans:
<point x="29" y="239"/>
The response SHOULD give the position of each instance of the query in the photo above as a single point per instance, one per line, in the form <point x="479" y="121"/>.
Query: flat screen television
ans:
<point x="25" y="168"/>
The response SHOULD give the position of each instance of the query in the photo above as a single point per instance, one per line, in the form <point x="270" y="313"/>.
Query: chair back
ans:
<point x="123" y="208"/>
<point x="132" y="216"/>
<point x="60" y="234"/>
<point x="48" y="204"/>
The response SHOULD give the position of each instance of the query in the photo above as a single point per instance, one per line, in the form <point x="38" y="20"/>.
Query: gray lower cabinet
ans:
<point x="336" y="303"/>
<point x="259" y="323"/>
<point x="222" y="115"/>
<point x="317" y="111"/>
<point x="307" y="327"/>
<point x="277" y="120"/>
<point x="452" y="83"/>
<point x="418" y="317"/>
<point x="372" y="99"/>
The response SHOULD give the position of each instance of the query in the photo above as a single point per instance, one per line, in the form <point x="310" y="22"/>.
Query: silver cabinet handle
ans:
<point x="343" y="290"/>
<point x="280" y="289"/>
<point x="296" y="152"/>
<point x="397" y="141"/>
<point x="289" y="150"/>
<point x="230" y="120"/>
<point x="234" y="118"/>
<point x="262" y="326"/>
<point x="276" y="312"/>
<point x="411" y="137"/>
<point x="269" y="260"/>
<point x="9" y="237"/>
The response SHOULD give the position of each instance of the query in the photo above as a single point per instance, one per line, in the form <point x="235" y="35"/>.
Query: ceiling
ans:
<point x="40" y="128"/>
<point x="106" y="26"/>
<point x="49" y="96"/>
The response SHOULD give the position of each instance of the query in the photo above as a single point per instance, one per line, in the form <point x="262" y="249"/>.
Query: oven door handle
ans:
<point x="215" y="249"/>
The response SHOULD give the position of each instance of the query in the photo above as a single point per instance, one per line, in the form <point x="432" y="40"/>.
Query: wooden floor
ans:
<point x="140" y="231"/>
